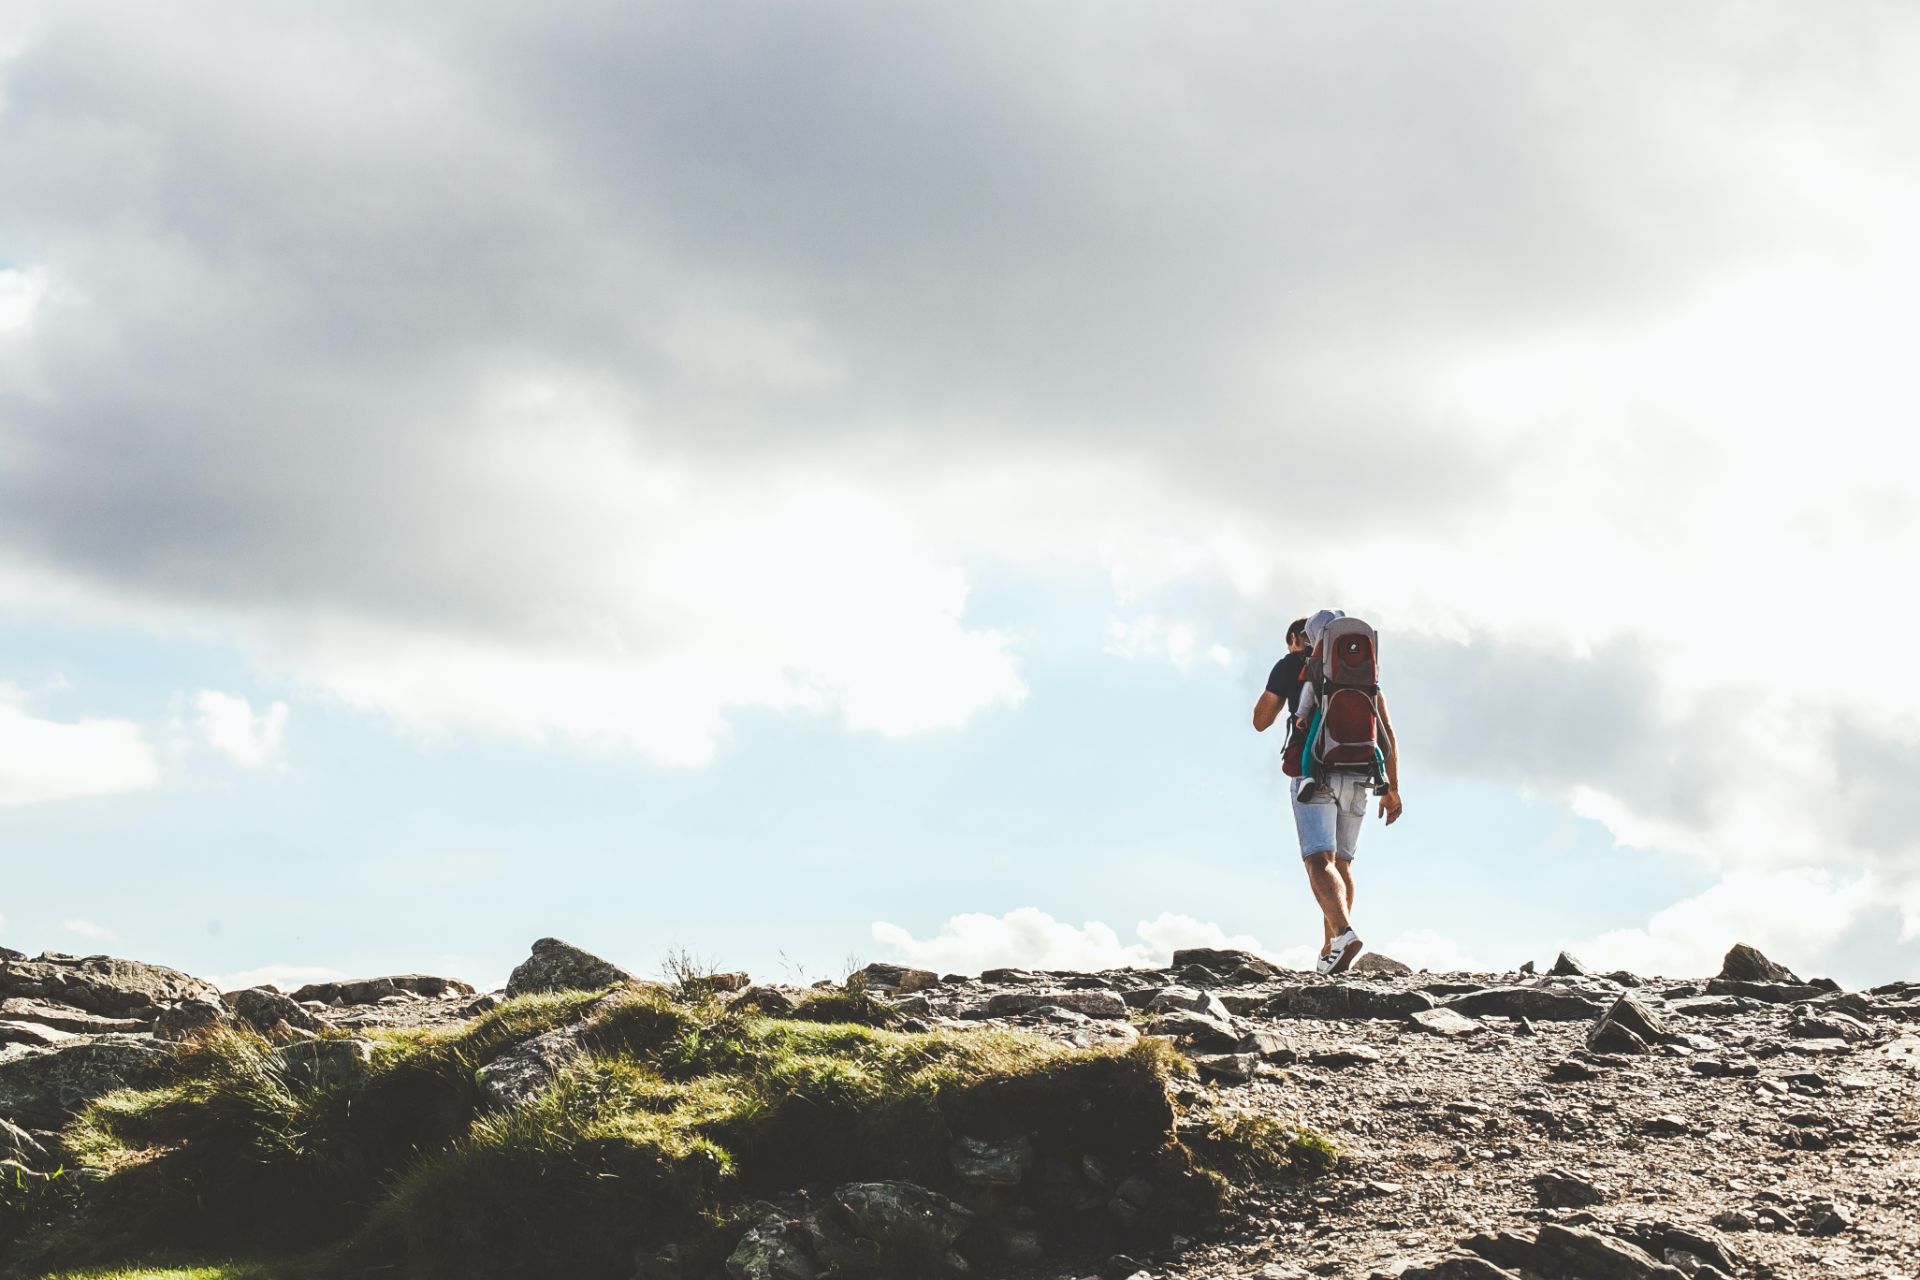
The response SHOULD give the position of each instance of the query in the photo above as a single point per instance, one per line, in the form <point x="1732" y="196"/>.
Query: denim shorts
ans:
<point x="1331" y="823"/>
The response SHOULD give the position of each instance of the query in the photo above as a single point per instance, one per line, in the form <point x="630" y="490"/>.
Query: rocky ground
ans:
<point x="1555" y="1124"/>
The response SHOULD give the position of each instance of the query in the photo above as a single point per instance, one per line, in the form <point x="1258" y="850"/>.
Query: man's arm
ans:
<point x="1390" y="802"/>
<point x="1266" y="711"/>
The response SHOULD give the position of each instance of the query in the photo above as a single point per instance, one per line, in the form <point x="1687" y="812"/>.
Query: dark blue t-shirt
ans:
<point x="1284" y="683"/>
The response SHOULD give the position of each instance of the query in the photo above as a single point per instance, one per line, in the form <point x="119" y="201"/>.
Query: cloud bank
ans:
<point x="580" y="378"/>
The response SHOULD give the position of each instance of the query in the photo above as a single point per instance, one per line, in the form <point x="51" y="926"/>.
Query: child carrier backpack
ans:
<point x="1344" y="733"/>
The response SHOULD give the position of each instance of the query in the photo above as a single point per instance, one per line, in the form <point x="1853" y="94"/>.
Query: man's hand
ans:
<point x="1390" y="807"/>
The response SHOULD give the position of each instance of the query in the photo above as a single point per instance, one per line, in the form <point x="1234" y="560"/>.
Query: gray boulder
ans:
<point x="774" y="1002"/>
<point x="1192" y="1000"/>
<point x="62" y="1017"/>
<point x="1338" y="1000"/>
<point x="1745" y="964"/>
<point x="339" y="1065"/>
<point x="194" y="1016"/>
<point x="1627" y="1027"/>
<point x="1198" y="1030"/>
<point x="1557" y="1250"/>
<point x="33" y="1033"/>
<point x="265" y="1009"/>
<point x="561" y="966"/>
<point x="1538" y="1003"/>
<point x="868" y="1230"/>
<point x="1374" y="962"/>
<point x="1094" y="1003"/>
<point x="981" y="1163"/>
<point x="1445" y="1022"/>
<point x="373" y="990"/>
<point x="41" y="1090"/>
<point x="99" y="984"/>
<point x="1566" y="964"/>
<point x="1455" y="1266"/>
<point x="1226" y="962"/>
<point x="896" y="979"/>
<point x="530" y="1066"/>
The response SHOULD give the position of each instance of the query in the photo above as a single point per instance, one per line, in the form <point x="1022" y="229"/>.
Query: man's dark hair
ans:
<point x="1299" y="629"/>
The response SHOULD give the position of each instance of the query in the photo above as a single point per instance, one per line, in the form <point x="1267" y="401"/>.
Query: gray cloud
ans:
<point x="296" y="257"/>
<point x="1214" y="247"/>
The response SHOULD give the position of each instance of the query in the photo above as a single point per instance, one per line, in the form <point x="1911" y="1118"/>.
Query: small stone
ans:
<point x="991" y="1164"/>
<point x="1227" y="1066"/>
<point x="1351" y="1056"/>
<point x="1559" y="1189"/>
<point x="1445" y="1022"/>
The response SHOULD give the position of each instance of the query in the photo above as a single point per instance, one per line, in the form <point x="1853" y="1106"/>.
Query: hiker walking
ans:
<point x="1340" y="751"/>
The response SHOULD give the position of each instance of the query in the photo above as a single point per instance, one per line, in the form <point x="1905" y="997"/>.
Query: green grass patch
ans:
<point x="677" y="1115"/>
<point x="1254" y="1145"/>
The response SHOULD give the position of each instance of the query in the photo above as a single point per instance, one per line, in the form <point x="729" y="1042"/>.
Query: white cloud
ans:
<point x="88" y="929"/>
<point x="228" y="724"/>
<point x="44" y="760"/>
<point x="20" y="296"/>
<point x="1787" y="913"/>
<point x="1428" y="949"/>
<point x="287" y="977"/>
<point x="1028" y="937"/>
<point x="1150" y="636"/>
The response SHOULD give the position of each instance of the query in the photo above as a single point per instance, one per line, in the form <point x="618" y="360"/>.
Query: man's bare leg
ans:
<point x="1329" y="890"/>
<point x="1343" y="870"/>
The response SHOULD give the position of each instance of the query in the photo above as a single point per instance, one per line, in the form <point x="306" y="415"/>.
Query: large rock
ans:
<point x="982" y="1163"/>
<point x="265" y="1009"/>
<point x="869" y="1230"/>
<point x="374" y="990"/>
<point x="1541" y="1004"/>
<point x="66" y="1018"/>
<point x="1558" y="1250"/>
<point x="561" y="966"/>
<point x="1567" y="965"/>
<point x="530" y="1066"/>
<point x="42" y="1090"/>
<point x="1094" y="1003"/>
<point x="337" y="1065"/>
<point x="896" y="979"/>
<point x="1374" y="962"/>
<point x="33" y="1033"/>
<point x="1745" y="964"/>
<point x="1627" y="1027"/>
<point x="195" y="1016"/>
<point x="1226" y="961"/>
<point x="99" y="984"/>
<point x="1770" y="992"/>
<point x="1345" y="1000"/>
<point x="1198" y="1030"/>
<point x="1192" y="1000"/>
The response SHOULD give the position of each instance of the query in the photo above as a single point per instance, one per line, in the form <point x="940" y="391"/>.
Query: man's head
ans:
<point x="1297" y="636"/>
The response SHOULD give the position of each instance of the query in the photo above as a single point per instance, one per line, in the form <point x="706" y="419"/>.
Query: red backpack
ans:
<point x="1344" y="733"/>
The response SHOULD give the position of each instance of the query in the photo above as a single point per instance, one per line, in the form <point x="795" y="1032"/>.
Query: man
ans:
<point x="1328" y="821"/>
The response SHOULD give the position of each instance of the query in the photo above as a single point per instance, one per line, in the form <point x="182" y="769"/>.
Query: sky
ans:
<point x="826" y="483"/>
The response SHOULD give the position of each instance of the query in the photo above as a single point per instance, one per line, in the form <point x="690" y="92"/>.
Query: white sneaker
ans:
<point x="1324" y="965"/>
<point x="1343" y="950"/>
